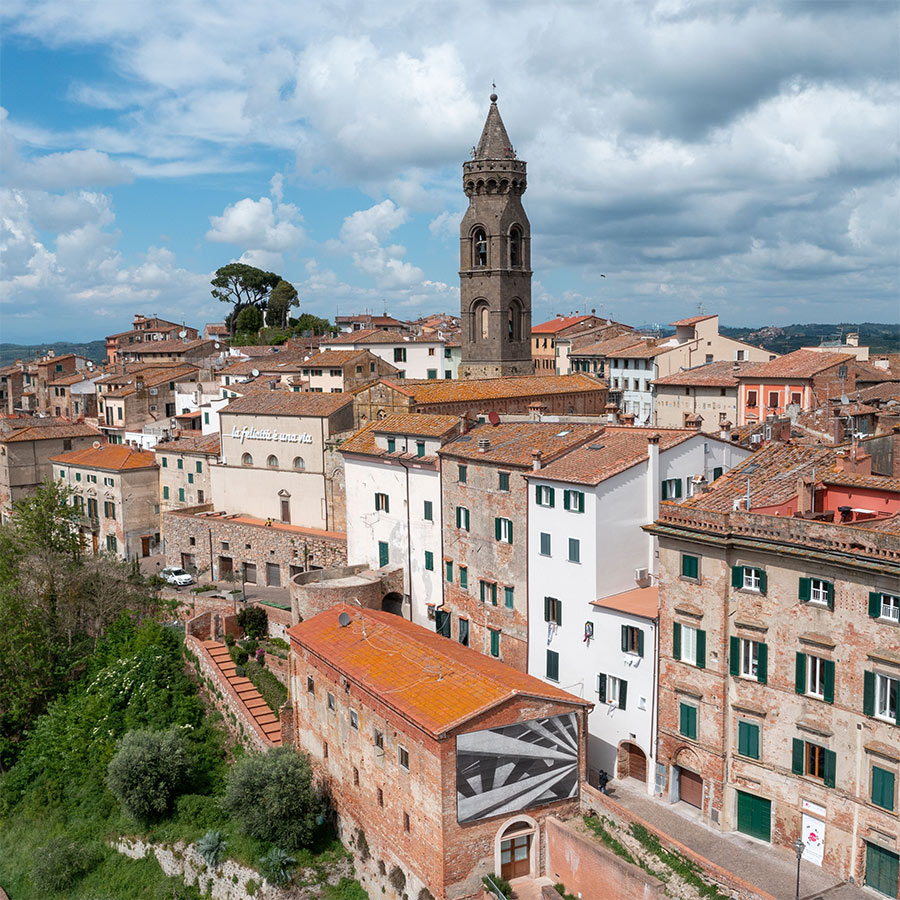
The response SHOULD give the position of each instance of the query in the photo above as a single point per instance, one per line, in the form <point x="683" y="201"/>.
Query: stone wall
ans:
<point x="314" y="592"/>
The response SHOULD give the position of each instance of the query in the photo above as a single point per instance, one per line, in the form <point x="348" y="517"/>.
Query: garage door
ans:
<point x="754" y="816"/>
<point x="882" y="870"/>
<point x="691" y="788"/>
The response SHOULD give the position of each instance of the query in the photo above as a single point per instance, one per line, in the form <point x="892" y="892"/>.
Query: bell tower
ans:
<point x="495" y="259"/>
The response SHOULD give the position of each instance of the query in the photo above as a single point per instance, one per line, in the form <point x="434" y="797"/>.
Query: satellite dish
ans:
<point x="254" y="373"/>
<point x="216" y="345"/>
<point x="96" y="445"/>
<point x="344" y="619"/>
<point x="182" y="333"/>
<point x="493" y="418"/>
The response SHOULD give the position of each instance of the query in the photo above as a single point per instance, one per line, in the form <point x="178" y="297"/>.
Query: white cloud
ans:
<point x="258" y="225"/>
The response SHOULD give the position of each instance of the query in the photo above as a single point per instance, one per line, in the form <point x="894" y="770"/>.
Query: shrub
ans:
<point x="59" y="863"/>
<point x="147" y="771"/>
<point x="276" y="866"/>
<point x="501" y="883"/>
<point x="254" y="620"/>
<point x="229" y="640"/>
<point x="273" y="798"/>
<point x="212" y="848"/>
<point x="241" y="657"/>
<point x="362" y="845"/>
<point x="397" y="878"/>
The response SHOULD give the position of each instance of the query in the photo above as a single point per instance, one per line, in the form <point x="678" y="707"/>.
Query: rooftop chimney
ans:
<point x="536" y="459"/>
<point x="484" y="444"/>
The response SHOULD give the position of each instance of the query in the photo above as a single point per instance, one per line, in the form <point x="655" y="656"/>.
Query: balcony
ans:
<point x="92" y="522"/>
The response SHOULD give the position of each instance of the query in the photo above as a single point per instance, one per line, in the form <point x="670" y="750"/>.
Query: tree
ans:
<point x="273" y="797"/>
<point x="248" y="321"/>
<point x="309" y="322"/>
<point x="147" y="771"/>
<point x="255" y="621"/>
<point x="282" y="298"/>
<point x="243" y="285"/>
<point x="45" y="520"/>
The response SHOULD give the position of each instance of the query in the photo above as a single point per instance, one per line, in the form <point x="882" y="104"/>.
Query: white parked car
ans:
<point x="176" y="575"/>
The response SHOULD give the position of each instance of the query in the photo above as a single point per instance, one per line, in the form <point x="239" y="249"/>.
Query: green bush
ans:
<point x="254" y="620"/>
<point x="270" y="688"/>
<point x="272" y="797"/>
<point x="212" y="848"/>
<point x="59" y="863"/>
<point x="501" y="883"/>
<point x="147" y="771"/>
<point x="276" y="866"/>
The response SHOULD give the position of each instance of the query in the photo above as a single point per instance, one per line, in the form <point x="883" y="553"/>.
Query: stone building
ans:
<point x="553" y="342"/>
<point x="116" y="490"/>
<point x="184" y="463"/>
<point x="74" y="396"/>
<point x="495" y="259"/>
<point x="145" y="329"/>
<point x="409" y="749"/>
<point x="484" y="505"/>
<point x="340" y="371"/>
<point x="413" y="356"/>
<point x="780" y="658"/>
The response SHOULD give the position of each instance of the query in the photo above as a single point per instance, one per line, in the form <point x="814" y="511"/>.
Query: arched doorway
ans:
<point x="688" y="783"/>
<point x="632" y="762"/>
<point x="516" y="847"/>
<point x="393" y="603"/>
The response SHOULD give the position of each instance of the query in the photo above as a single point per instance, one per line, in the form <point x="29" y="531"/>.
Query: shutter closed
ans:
<point x="734" y="661"/>
<point x="701" y="649"/>
<point x="601" y="688"/>
<point x="805" y="589"/>
<point x="797" y="757"/>
<point x="830" y="768"/>
<point x="676" y="641"/>
<point x="566" y="499"/>
<point x="623" y="693"/>
<point x="869" y="693"/>
<point x="762" y="668"/>
<point x="737" y="576"/>
<point x="829" y="681"/>
<point x="800" y="673"/>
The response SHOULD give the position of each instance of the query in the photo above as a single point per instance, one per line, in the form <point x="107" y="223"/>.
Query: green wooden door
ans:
<point x="754" y="815"/>
<point x="882" y="870"/>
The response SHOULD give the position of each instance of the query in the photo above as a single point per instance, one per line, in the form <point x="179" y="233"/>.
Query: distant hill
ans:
<point x="95" y="350"/>
<point x="879" y="338"/>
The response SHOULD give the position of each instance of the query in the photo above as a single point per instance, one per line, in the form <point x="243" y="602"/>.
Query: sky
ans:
<point x="734" y="157"/>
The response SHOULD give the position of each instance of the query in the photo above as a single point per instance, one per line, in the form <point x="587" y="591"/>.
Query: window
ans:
<point x="573" y="501"/>
<point x="383" y="556"/>
<point x="165" y="493"/>
<point x="310" y="685"/>
<point x="883" y="606"/>
<point x="687" y="720"/>
<point x="749" y="659"/>
<point x="544" y="495"/>
<point x="399" y="354"/>
<point x="748" y="578"/>
<point x="406" y="821"/>
<point x="198" y="466"/>
<point x="181" y="495"/>
<point x="246" y="460"/>
<point x="689" y="645"/>
<point x="378" y="739"/>
<point x="814" y="677"/>
<point x="883" y="782"/>
<point x="420" y="448"/>
<point x="796" y="398"/>
<point x="324" y="749"/>
<point x="463" y="578"/>
<point x="206" y="418"/>
<point x="553" y="610"/>
<point x="552" y="665"/>
<point x="403" y="758"/>
<point x="671" y="489"/>
<point x="442" y="622"/>
<point x="545" y="544"/>
<point x="462" y="518"/>
<point x="109" y="482"/>
<point x="429" y="561"/>
<point x="78" y="476"/>
<point x="431" y="374"/>
<point x="509" y="597"/>
<point x="463" y="473"/>
<point x="382" y="503"/>
<point x="429" y="511"/>
<point x="448" y="374"/>
<point x="748" y="739"/>
<point x="180" y="463"/>
<point x="773" y="399"/>
<point x="109" y="510"/>
<point x="503" y="530"/>
<point x="299" y="463"/>
<point x="881" y="696"/>
<point x="612" y="690"/>
<point x="690" y="566"/>
<point x="495" y="642"/>
<point x="751" y="398"/>
<point x="813" y="760"/>
<point x="331" y="703"/>
<point x="479" y="248"/>
<point x="355" y="777"/>
<point x="272" y="462"/>
<point x="632" y="640"/>
<point x="190" y="477"/>
<point x="448" y="571"/>
<point x="574" y="550"/>
<point x="818" y="591"/>
<point x="503" y="479"/>
<point x="380" y="797"/>
<point x="111" y="543"/>
<point x="488" y="592"/>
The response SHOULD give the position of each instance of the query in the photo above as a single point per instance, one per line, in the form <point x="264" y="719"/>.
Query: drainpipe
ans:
<point x="324" y="474"/>
<point x="405" y="465"/>
<point x="652" y="495"/>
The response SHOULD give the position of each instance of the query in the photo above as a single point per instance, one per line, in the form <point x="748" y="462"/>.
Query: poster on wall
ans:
<point x="502" y="770"/>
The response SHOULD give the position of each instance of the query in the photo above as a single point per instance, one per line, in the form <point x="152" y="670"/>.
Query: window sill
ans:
<point x="689" y="579"/>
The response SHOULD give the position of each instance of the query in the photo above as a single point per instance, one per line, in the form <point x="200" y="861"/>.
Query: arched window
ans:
<point x="515" y="246"/>
<point x="514" y="321"/>
<point x="479" y="248"/>
<point x="272" y="462"/>
<point x="480" y="321"/>
<point x="299" y="463"/>
<point x="246" y="460"/>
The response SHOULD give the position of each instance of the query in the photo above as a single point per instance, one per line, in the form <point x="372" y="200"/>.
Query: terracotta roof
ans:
<point x="715" y="374"/>
<point x="558" y="324"/>
<point x="287" y="361"/>
<point x="693" y="320"/>
<point x="611" y="347"/>
<point x="150" y="378"/>
<point x="421" y="424"/>
<point x="513" y="443"/>
<point x="638" y="602"/>
<point x="169" y="347"/>
<point x="191" y="443"/>
<point x="382" y="336"/>
<point x="435" y="683"/>
<point x="856" y="409"/>
<point x="288" y="403"/>
<point x="615" y="449"/>
<point x="74" y="377"/>
<point x="54" y="432"/>
<point x="866" y="372"/>
<point x="109" y="456"/>
<point x="887" y="390"/>
<point x="856" y="479"/>
<point x="451" y="391"/>
<point x="261" y="350"/>
<point x="890" y="524"/>
<point x="333" y="358"/>
<point x="799" y="364"/>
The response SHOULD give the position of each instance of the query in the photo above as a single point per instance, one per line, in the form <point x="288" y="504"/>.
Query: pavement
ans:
<point x="772" y="869"/>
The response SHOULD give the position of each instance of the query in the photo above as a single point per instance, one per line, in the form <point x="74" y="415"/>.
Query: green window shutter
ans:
<point x="448" y="570"/>
<point x="641" y="642"/>
<point x="869" y="693"/>
<point x="763" y="581"/>
<point x="883" y="788"/>
<point x="199" y="466"/>
<point x="676" y="641"/>
<point x="762" y="669"/>
<point x="829" y="587"/>
<point x="797" y="757"/>
<point x="382" y="553"/>
<point x="482" y="587"/>
<point x="677" y="488"/>
<point x="509" y="597"/>
<point x="552" y="665"/>
<point x="429" y="511"/>
<point x="753" y="748"/>
<point x="623" y="693"/>
<point x="566" y="501"/>
<point x="181" y="495"/>
<point x="748" y="740"/>
<point x="664" y="491"/>
<point x="558" y="613"/>
<point x="458" y="516"/>
<point x="429" y="560"/>
<point x="624" y="637"/>
<point x="510" y="531"/>
<point x="701" y="649"/>
<point x="497" y="529"/>
<point x="546" y="609"/>
<point x="165" y="462"/>
<point x="165" y="493"/>
<point x="804" y="589"/>
<point x="830" y="768"/>
<point x="737" y="576"/>
<point x="874" y="604"/>
<point x="734" y="656"/>
<point x="829" y="681"/>
<point x="552" y="493"/>
<point x="495" y="643"/>
<point x="494" y="594"/>
<point x="690" y="566"/>
<point x="601" y="688"/>
<point x="464" y="578"/>
<point x="800" y="674"/>
<point x="717" y="472"/>
<point x="581" y="501"/>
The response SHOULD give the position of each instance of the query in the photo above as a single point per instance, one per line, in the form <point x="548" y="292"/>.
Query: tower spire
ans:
<point x="495" y="142"/>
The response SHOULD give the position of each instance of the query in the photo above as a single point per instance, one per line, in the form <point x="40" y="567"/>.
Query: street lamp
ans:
<point x="799" y="847"/>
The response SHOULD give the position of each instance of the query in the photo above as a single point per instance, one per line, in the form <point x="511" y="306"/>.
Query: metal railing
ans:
<point x="492" y="887"/>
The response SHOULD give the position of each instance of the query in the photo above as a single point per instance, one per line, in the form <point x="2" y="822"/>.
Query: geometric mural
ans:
<point x="502" y="770"/>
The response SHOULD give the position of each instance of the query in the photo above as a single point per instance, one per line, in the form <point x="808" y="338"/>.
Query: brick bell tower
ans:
<point x="495" y="259"/>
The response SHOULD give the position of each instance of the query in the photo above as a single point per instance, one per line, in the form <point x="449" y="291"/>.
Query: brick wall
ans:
<point x="314" y="592"/>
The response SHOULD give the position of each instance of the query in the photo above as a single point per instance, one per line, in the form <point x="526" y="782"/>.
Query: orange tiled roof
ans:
<point x="714" y="374"/>
<point x="288" y="403"/>
<point x="74" y="377"/>
<point x="856" y="479"/>
<point x="435" y="683"/>
<point x="799" y="364"/>
<point x="58" y="430"/>
<point x="275" y="363"/>
<point x="451" y="391"/>
<point x="175" y="345"/>
<point x="333" y="358"/>
<point x="513" y="443"/>
<point x="693" y="320"/>
<point x="421" y="424"/>
<point x="191" y="443"/>
<point x="887" y="390"/>
<point x="108" y="456"/>
<point x="149" y="377"/>
<point x="558" y="324"/>
<point x="611" y="347"/>
<point x="615" y="449"/>
<point x="382" y="336"/>
<point x="638" y="602"/>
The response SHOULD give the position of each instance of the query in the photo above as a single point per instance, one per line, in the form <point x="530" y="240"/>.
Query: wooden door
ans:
<point x="250" y="573"/>
<point x="226" y="567"/>
<point x="515" y="857"/>
<point x="145" y="545"/>
<point x="754" y="815"/>
<point x="637" y="763"/>
<point x="691" y="788"/>
<point x="286" y="511"/>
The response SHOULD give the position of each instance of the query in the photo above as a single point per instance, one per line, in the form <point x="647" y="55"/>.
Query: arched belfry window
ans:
<point x="515" y="246"/>
<point x="479" y="248"/>
<point x="481" y="320"/>
<point x="514" y="321"/>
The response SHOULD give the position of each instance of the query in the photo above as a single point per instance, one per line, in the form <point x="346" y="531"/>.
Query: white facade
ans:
<point x="415" y="358"/>
<point x="394" y="517"/>
<point x="614" y="556"/>
<point x="633" y="377"/>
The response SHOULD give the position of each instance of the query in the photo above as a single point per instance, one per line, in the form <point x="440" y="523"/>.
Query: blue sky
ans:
<point x="738" y="155"/>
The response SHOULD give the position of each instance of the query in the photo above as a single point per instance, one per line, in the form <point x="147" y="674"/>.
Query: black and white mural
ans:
<point x="502" y="770"/>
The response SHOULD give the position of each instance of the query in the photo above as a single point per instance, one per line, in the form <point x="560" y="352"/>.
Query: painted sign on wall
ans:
<point x="268" y="434"/>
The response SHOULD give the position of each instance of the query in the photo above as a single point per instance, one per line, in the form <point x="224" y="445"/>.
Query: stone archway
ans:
<point x="517" y="848"/>
<point x="631" y="762"/>
<point x="393" y="603"/>
<point x="688" y="782"/>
